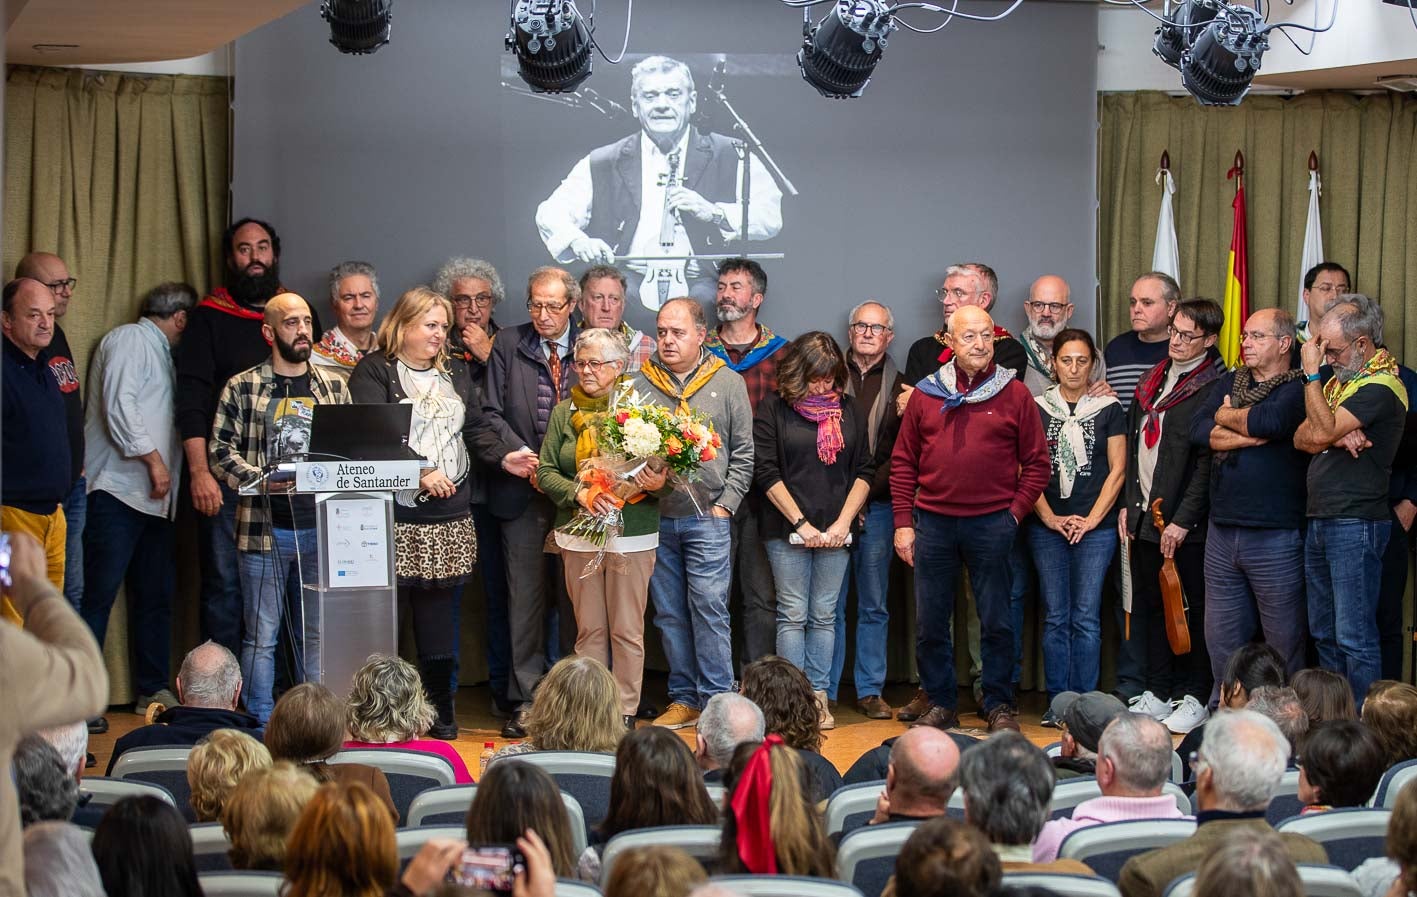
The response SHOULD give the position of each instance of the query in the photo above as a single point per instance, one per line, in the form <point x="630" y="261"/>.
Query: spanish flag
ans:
<point x="1237" y="281"/>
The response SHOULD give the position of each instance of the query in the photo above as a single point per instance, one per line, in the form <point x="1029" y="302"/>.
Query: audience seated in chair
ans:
<point x="1082" y="717"/>
<point x="576" y="707"/>
<point x="1252" y="665"/>
<point x="654" y="872"/>
<point x="514" y="798"/>
<point x="945" y="858"/>
<point x="47" y="791"/>
<point x="1133" y="763"/>
<point x="72" y="743"/>
<point x="1394" y="875"/>
<point x="656" y="782"/>
<point x="1008" y="786"/>
<point x="1390" y="710"/>
<point x="874" y="763"/>
<point x="307" y="728"/>
<point x="142" y="849"/>
<point x="1238" y="768"/>
<point x="770" y="824"/>
<point x="387" y="708"/>
<point x="259" y="815"/>
<point x="1324" y="694"/>
<point x="209" y="687"/>
<point x="216" y="764"/>
<point x="790" y="711"/>
<point x="920" y="778"/>
<point x="1257" y="866"/>
<point x="342" y="845"/>
<point x="1340" y="766"/>
<point x="727" y="720"/>
<point x="59" y="861"/>
<point x="1281" y="705"/>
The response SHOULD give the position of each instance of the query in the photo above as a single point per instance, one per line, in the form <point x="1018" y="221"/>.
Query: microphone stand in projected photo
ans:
<point x="671" y="200"/>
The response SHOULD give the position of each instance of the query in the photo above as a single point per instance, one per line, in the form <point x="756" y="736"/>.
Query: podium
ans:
<point x="351" y="611"/>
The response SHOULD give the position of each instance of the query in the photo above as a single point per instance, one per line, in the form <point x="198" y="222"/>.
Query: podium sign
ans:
<point x="356" y="476"/>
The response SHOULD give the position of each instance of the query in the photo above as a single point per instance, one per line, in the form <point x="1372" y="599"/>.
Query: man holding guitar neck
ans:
<point x="1163" y="463"/>
<point x="670" y="192"/>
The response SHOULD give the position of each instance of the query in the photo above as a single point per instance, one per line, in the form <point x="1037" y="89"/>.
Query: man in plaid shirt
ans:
<point x="262" y="418"/>
<point x="603" y="305"/>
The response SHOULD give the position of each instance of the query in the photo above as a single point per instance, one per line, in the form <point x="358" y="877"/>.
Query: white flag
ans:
<point x="1313" y="244"/>
<point x="1166" y="257"/>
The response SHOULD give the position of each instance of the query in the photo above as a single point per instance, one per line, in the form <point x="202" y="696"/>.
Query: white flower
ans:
<point x="641" y="437"/>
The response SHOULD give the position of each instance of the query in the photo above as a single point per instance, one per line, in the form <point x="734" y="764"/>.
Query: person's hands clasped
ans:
<point x="602" y="505"/>
<point x="811" y="536"/>
<point x="651" y="480"/>
<point x="437" y="484"/>
<point x="835" y="535"/>
<point x="521" y="463"/>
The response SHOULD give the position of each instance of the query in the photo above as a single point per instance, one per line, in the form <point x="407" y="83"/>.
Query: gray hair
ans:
<point x="1358" y="315"/>
<point x="1258" y="865"/>
<point x="561" y="275"/>
<point x="655" y="65"/>
<point x="890" y="316"/>
<point x="209" y="676"/>
<point x="1170" y="289"/>
<point x="1140" y="749"/>
<point x="1008" y="786"/>
<point x="598" y="272"/>
<point x="612" y="345"/>
<point x="1284" y="325"/>
<point x="46" y="789"/>
<point x="353" y="269"/>
<point x="1281" y="705"/>
<point x="1247" y="755"/>
<point x="728" y="720"/>
<point x="167" y="299"/>
<point x="59" y="862"/>
<point x="457" y="268"/>
<point x="988" y="280"/>
<point x="71" y="741"/>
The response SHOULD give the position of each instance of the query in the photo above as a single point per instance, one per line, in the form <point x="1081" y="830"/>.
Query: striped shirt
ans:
<point x="1127" y="359"/>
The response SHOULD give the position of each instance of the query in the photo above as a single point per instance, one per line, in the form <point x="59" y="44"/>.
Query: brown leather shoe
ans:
<point x="874" y="707"/>
<point x="916" y="708"/>
<point x="938" y="717"/>
<point x="1002" y="717"/>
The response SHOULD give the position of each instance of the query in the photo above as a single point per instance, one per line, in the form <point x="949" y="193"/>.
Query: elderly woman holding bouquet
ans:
<point x="812" y="458"/>
<point x="609" y="583"/>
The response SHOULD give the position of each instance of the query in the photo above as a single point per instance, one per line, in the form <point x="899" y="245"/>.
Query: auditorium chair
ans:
<point x="569" y="887"/>
<point x="107" y="791"/>
<point x="1106" y="847"/>
<point x="1286" y="801"/>
<point x="784" y="886"/>
<point x="241" y="884"/>
<point x="1068" y="793"/>
<point x="1392" y="783"/>
<point x="698" y="841"/>
<point x="409" y="772"/>
<point x="164" y="766"/>
<point x="448" y="805"/>
<point x="1062" y="884"/>
<point x="1349" y="836"/>
<point x="209" y="847"/>
<point x="1318" y="881"/>
<point x="866" y="857"/>
<point x="582" y="774"/>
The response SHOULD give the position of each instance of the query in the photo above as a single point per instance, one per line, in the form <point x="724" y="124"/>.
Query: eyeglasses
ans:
<point x="1338" y="288"/>
<point x="1053" y="308"/>
<point x="863" y="328"/>
<point x="1257" y="336"/>
<point x="588" y="364"/>
<point x="537" y="308"/>
<point x="67" y="284"/>
<point x="957" y="294"/>
<point x="1182" y="336"/>
<point x="1334" y="353"/>
<point x="481" y="300"/>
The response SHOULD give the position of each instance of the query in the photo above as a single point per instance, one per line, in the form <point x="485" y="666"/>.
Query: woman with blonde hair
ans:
<point x="259" y="816"/>
<point x="654" y="871"/>
<point x="386" y="709"/>
<point x="216" y="764"/>
<point x="1390" y="710"/>
<point x="770" y="826"/>
<point x="342" y="846"/>
<point x="576" y="708"/>
<point x="433" y="533"/>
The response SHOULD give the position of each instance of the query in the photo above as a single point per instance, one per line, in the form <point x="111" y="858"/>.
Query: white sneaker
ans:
<point x="1150" y="705"/>
<point x="1189" y="714"/>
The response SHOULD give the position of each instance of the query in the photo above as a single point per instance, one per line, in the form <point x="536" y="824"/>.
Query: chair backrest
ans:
<point x="209" y="847"/>
<point x="447" y="806"/>
<point x="241" y="884"/>
<point x="1286" y="801"/>
<point x="582" y="774"/>
<point x="1348" y="836"/>
<point x="785" y="886"/>
<point x="1062" y="884"/>
<point x="162" y="766"/>
<point x="1106" y="847"/>
<point x="1068" y="793"/>
<point x="409" y="772"/>
<point x="1178" y="774"/>
<point x="1053" y="749"/>
<point x="569" y="887"/>
<point x="411" y="840"/>
<point x="1318" y="881"/>
<point x="108" y="791"/>
<point x="698" y="841"/>
<point x="1392" y="782"/>
<point x="852" y="806"/>
<point x="716" y="792"/>
<point x="866" y="857"/>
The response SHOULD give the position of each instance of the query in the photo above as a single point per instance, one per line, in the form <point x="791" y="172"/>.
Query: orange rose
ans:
<point x="673" y="446"/>
<point x="708" y="454"/>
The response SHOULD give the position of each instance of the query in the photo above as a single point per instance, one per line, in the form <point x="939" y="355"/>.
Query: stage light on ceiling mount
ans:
<point x="840" y="52"/>
<point x="552" y="44"/>
<point x="1177" y="31"/>
<point x="358" y="26"/>
<point x="1225" y="57"/>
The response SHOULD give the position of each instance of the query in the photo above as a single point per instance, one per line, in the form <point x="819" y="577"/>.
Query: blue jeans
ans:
<point x="221" y="576"/>
<point x="1070" y="579"/>
<point x="75" y="506"/>
<point x="981" y="544"/>
<point x="494" y="592"/>
<point x="125" y="544"/>
<point x="271" y="584"/>
<point x="1343" y="561"/>
<point x="808" y="582"/>
<point x="871" y="570"/>
<point x="1020" y="575"/>
<point x="690" y="586"/>
<point x="1254" y="581"/>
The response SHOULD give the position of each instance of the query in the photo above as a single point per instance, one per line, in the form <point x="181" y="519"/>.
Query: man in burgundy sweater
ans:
<point x="968" y="465"/>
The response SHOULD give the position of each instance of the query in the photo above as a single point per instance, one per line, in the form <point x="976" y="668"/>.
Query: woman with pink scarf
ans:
<point x="812" y="458"/>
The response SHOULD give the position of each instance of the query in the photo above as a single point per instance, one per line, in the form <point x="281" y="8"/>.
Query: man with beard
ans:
<point x="475" y="289"/>
<point x="1352" y="426"/>
<point x="1049" y="310"/>
<point x="223" y="337"/>
<point x="263" y="417"/>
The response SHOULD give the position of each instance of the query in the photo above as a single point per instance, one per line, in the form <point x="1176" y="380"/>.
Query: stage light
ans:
<point x="358" y="26"/>
<point x="1225" y="56"/>
<point x="1178" y="30"/>
<point x="551" y="43"/>
<point x="841" y="51"/>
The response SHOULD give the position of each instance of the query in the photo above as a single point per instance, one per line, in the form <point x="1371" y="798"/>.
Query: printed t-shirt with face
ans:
<point x="288" y="435"/>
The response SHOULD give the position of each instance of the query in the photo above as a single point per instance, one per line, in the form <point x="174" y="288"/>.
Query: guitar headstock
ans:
<point x="1156" y="519"/>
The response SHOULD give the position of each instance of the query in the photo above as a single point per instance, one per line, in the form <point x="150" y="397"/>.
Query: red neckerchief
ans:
<point x="752" y="798"/>
<point x="221" y="301"/>
<point x="1187" y="386"/>
<point x="945" y="356"/>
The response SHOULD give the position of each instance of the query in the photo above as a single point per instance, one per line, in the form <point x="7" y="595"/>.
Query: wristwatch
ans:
<point x="1312" y="378"/>
<point x="797" y="524"/>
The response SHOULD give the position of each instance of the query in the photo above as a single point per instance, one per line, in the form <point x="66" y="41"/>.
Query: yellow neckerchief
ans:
<point x="1380" y="369"/>
<point x="660" y="377"/>
<point x="584" y="418"/>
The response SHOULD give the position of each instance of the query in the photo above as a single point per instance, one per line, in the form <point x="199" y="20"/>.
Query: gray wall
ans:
<point x="974" y="143"/>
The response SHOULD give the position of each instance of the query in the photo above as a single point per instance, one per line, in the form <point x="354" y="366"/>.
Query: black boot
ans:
<point x="437" y="681"/>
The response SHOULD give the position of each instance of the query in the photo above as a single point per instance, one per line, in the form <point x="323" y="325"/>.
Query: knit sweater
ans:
<point x="557" y="477"/>
<point x="1097" y="811"/>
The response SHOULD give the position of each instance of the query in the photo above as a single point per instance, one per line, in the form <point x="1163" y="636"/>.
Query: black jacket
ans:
<point x="1182" y="476"/>
<point x="183" y="727"/>
<point x="924" y="357"/>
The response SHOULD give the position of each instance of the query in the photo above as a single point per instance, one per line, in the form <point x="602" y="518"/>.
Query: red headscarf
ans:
<point x="751" y="811"/>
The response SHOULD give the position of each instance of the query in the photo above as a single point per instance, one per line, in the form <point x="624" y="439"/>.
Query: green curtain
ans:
<point x="1369" y="202"/>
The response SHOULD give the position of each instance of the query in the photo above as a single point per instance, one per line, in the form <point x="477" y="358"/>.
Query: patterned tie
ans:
<point x="553" y="358"/>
